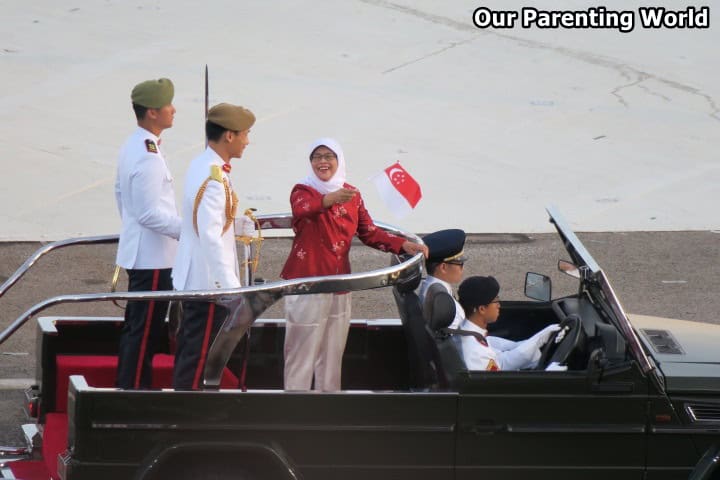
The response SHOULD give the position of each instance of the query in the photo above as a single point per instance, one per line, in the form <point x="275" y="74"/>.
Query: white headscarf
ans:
<point x="337" y="180"/>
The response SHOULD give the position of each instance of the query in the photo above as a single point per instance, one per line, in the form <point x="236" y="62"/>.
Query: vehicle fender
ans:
<point x="217" y="461"/>
<point x="707" y="464"/>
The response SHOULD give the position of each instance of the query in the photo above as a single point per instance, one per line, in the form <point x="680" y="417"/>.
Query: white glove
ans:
<point x="244" y="226"/>
<point x="542" y="337"/>
<point x="556" y="367"/>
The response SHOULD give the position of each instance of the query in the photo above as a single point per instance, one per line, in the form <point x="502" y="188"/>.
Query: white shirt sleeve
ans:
<point x="210" y="223"/>
<point x="526" y="354"/>
<point x="146" y="189"/>
<point x="500" y="344"/>
<point x="118" y="195"/>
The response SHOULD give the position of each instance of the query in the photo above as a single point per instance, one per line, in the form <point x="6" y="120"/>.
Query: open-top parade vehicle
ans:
<point x="640" y="398"/>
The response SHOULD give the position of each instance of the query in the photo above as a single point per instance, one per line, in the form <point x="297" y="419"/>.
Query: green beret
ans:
<point x="153" y="93"/>
<point x="231" y="117"/>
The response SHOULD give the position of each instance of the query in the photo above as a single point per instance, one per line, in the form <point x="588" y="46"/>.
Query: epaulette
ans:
<point x="150" y="146"/>
<point x="216" y="173"/>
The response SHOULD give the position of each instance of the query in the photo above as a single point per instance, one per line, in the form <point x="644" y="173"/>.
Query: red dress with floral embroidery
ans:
<point x="323" y="235"/>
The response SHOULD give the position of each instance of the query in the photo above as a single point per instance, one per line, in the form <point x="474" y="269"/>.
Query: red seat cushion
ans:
<point x="101" y="370"/>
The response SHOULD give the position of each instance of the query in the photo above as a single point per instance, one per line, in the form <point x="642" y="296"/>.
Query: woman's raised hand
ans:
<point x="341" y="195"/>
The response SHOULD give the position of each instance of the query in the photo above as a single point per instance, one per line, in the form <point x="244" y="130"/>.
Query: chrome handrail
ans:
<point x="244" y="309"/>
<point x="244" y="304"/>
<point x="45" y="249"/>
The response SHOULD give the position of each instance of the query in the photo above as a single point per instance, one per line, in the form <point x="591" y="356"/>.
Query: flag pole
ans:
<point x="206" y="102"/>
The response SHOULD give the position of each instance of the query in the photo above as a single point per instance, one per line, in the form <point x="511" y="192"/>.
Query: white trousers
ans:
<point x="316" y="330"/>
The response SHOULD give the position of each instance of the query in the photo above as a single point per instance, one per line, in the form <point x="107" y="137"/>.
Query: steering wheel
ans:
<point x="559" y="351"/>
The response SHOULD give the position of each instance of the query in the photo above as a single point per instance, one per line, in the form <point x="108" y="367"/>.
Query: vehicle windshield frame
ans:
<point x="595" y="282"/>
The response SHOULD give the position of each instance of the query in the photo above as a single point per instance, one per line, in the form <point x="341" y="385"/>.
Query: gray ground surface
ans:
<point x="670" y="274"/>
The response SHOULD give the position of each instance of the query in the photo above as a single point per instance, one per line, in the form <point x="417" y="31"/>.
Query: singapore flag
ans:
<point x="400" y="192"/>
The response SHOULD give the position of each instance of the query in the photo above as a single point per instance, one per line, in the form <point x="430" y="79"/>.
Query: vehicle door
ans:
<point x="559" y="425"/>
<point x="354" y="435"/>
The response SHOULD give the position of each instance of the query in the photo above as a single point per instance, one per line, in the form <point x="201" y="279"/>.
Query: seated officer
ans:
<point x="444" y="265"/>
<point x="481" y="303"/>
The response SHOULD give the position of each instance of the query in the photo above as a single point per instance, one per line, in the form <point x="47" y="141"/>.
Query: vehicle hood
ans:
<point x="686" y="352"/>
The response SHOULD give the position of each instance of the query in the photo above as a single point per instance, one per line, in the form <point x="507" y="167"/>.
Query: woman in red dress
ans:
<point x="327" y="213"/>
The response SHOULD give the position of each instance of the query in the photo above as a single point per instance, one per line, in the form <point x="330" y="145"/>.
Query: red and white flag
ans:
<point x="400" y="192"/>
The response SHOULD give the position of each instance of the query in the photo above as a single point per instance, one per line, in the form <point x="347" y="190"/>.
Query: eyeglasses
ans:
<point x="497" y="300"/>
<point x="460" y="264"/>
<point x="322" y="156"/>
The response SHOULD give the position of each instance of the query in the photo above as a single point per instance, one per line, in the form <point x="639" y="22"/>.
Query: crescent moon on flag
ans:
<point x="395" y="170"/>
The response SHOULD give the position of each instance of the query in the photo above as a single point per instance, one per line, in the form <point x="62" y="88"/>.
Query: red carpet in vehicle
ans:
<point x="29" y="470"/>
<point x="54" y="440"/>
<point x="101" y="370"/>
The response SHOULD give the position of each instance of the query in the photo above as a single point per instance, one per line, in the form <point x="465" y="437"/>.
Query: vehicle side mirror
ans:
<point x="569" y="268"/>
<point x="538" y="287"/>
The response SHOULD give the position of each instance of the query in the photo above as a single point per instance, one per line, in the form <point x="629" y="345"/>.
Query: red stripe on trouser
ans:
<point x="203" y="351"/>
<point x="148" y="322"/>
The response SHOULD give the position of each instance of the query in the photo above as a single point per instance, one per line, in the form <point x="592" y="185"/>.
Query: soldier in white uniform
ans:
<point x="444" y="265"/>
<point x="479" y="298"/>
<point x="150" y="228"/>
<point x="207" y="255"/>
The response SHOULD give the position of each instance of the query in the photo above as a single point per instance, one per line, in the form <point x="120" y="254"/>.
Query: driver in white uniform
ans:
<point x="479" y="298"/>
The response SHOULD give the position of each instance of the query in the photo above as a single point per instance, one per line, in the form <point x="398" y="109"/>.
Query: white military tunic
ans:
<point x="146" y="202"/>
<point x="429" y="280"/>
<point x="478" y="355"/>
<point x="206" y="259"/>
<point x="501" y="354"/>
